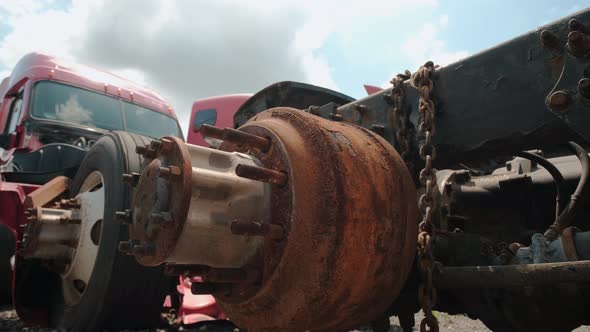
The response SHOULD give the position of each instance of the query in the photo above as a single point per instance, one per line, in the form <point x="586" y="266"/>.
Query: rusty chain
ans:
<point x="401" y="118"/>
<point x="422" y="80"/>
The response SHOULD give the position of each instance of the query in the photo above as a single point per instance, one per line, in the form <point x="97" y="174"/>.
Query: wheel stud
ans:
<point x="170" y="171"/>
<point x="237" y="137"/>
<point x="131" y="179"/>
<point x="161" y="219"/>
<point x="124" y="216"/>
<point x="261" y="174"/>
<point x="125" y="246"/>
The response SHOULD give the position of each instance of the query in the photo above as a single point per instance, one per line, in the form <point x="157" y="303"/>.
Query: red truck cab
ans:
<point x="53" y="113"/>
<point x="215" y="111"/>
<point x="47" y="100"/>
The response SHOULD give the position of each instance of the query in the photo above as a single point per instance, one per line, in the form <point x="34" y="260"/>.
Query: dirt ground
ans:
<point x="10" y="322"/>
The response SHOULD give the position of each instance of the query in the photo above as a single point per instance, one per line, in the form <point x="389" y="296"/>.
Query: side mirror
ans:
<point x="204" y="117"/>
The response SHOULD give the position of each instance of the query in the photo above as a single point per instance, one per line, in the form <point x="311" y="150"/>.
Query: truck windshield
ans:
<point x="55" y="101"/>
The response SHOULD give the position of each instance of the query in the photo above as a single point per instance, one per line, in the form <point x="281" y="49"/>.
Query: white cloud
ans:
<point x="426" y="45"/>
<point x="187" y="50"/>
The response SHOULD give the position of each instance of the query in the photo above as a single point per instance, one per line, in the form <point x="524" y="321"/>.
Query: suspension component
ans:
<point x="280" y="217"/>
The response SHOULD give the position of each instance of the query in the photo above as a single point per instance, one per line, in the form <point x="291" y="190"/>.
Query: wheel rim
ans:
<point x="78" y="273"/>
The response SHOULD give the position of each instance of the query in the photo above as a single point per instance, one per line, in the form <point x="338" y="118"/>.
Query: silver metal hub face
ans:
<point x="91" y="199"/>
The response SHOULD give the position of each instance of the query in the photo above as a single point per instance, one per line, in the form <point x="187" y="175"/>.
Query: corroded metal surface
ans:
<point x="185" y="202"/>
<point x="351" y="232"/>
<point x="315" y="231"/>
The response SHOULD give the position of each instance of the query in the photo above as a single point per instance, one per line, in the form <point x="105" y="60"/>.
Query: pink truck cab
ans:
<point x="44" y="93"/>
<point x="214" y="111"/>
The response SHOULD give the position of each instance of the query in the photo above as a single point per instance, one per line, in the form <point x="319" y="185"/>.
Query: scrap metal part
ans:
<point x="326" y="223"/>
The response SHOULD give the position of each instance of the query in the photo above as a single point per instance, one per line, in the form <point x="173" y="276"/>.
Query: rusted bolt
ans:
<point x="549" y="39"/>
<point x="124" y="216"/>
<point x="315" y="110"/>
<point x="261" y="174"/>
<point x="170" y="171"/>
<point x="237" y="137"/>
<point x="166" y="145"/>
<point x="162" y="218"/>
<point x="143" y="250"/>
<point x="335" y="116"/>
<point x="361" y="108"/>
<point x="378" y="129"/>
<point x="131" y="179"/>
<point x="230" y="275"/>
<point x="155" y="145"/>
<point x="575" y="25"/>
<point x="272" y="231"/>
<point x="211" y="131"/>
<point x="31" y="212"/>
<point x="577" y="43"/>
<point x="210" y="288"/>
<point x="584" y="87"/>
<point x="125" y="246"/>
<point x="559" y="101"/>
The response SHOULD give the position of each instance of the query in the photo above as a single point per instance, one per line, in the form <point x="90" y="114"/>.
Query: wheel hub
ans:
<point x="323" y="213"/>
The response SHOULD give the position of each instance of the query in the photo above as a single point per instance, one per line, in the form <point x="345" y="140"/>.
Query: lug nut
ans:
<point x="131" y="179"/>
<point x="31" y="212"/>
<point x="575" y="25"/>
<point x="559" y="101"/>
<point x="584" y="87"/>
<point x="170" y="171"/>
<point x="261" y="174"/>
<point x="272" y="231"/>
<point x="125" y="246"/>
<point x="162" y="218"/>
<point x="577" y="43"/>
<point x="124" y="216"/>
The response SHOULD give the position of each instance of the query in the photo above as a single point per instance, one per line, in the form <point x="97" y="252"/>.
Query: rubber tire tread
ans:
<point x="121" y="293"/>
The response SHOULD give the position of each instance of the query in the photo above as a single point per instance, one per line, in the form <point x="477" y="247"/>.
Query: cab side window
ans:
<point x="14" y="114"/>
<point x="204" y="117"/>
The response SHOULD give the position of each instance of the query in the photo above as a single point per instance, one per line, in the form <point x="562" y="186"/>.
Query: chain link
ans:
<point x="422" y="80"/>
<point x="401" y="118"/>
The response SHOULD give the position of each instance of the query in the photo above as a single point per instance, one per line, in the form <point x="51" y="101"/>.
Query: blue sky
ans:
<point x="187" y="50"/>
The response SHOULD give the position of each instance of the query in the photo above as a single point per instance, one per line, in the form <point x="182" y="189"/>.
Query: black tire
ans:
<point x="120" y="292"/>
<point x="6" y="252"/>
